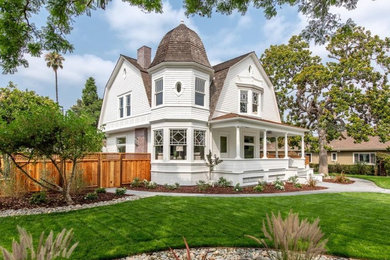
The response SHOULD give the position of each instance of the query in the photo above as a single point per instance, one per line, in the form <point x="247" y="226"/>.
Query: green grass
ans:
<point x="356" y="224"/>
<point x="381" y="181"/>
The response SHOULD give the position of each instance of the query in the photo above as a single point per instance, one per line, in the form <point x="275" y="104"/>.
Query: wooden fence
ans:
<point x="98" y="170"/>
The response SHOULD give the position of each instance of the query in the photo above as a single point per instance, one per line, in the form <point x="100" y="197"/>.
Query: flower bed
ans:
<point x="268" y="188"/>
<point x="52" y="200"/>
<point x="332" y="180"/>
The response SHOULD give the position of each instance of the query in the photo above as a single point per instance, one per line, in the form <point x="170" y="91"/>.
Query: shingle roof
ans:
<point x="348" y="144"/>
<point x="234" y="115"/>
<point x="145" y="77"/>
<point x="181" y="44"/>
<point x="220" y="72"/>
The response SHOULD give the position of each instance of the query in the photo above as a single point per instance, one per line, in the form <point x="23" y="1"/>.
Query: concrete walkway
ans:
<point x="360" y="185"/>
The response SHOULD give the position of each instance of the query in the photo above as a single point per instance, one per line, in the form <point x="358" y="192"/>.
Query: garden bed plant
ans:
<point x="53" y="199"/>
<point x="222" y="186"/>
<point x="339" y="178"/>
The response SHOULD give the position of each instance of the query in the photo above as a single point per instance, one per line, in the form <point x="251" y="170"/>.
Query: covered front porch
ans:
<point x="255" y="150"/>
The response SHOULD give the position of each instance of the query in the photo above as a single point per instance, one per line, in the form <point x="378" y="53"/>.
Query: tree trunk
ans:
<point x="6" y="166"/>
<point x="55" y="72"/>
<point x="323" y="155"/>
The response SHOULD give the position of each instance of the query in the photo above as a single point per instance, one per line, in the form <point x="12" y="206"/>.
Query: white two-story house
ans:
<point x="178" y="107"/>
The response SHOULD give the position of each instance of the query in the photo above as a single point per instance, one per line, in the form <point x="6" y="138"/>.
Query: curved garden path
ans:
<point x="359" y="185"/>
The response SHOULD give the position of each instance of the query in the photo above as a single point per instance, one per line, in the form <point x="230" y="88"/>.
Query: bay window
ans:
<point x="159" y="88"/>
<point x="199" y="144"/>
<point x="255" y="102"/>
<point x="199" y="91"/>
<point x="243" y="101"/>
<point x="158" y="144"/>
<point x="178" y="144"/>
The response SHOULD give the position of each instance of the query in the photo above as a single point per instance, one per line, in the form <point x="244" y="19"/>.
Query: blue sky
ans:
<point x="122" y="29"/>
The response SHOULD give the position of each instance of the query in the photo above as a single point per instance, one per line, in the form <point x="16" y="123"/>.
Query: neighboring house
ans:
<point x="178" y="107"/>
<point x="346" y="151"/>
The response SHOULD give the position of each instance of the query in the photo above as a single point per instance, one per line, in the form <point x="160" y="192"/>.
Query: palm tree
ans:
<point x="54" y="60"/>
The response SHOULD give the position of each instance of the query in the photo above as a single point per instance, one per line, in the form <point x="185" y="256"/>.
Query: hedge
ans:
<point x="361" y="169"/>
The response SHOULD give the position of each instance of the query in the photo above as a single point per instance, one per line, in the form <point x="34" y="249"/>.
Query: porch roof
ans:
<point x="232" y="119"/>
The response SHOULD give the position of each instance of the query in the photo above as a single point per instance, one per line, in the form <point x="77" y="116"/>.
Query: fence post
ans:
<point x="120" y="169"/>
<point x="99" y="170"/>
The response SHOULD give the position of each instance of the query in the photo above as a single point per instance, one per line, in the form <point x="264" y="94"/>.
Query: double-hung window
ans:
<point x="121" y="144"/>
<point x="243" y="101"/>
<point x="199" y="144"/>
<point x="255" y="102"/>
<point x="199" y="91"/>
<point x="368" y="158"/>
<point x="249" y="147"/>
<point x="121" y="107"/>
<point x="128" y="105"/>
<point x="159" y="88"/>
<point x="158" y="144"/>
<point x="178" y="144"/>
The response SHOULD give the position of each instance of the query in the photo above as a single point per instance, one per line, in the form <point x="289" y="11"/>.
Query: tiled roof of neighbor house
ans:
<point x="348" y="144"/>
<point x="145" y="77"/>
<point x="181" y="44"/>
<point x="234" y="115"/>
<point x="220" y="72"/>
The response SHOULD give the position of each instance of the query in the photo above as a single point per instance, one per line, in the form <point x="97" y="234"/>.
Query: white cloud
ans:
<point x="71" y="79"/>
<point x="138" y="28"/>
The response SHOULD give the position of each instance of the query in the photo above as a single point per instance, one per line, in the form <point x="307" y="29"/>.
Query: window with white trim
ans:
<point x="178" y="144"/>
<point x="368" y="158"/>
<point x="128" y="105"/>
<point x="199" y="144"/>
<point x="334" y="157"/>
<point x="243" y="101"/>
<point x="249" y="147"/>
<point x="121" y="144"/>
<point x="255" y="102"/>
<point x="199" y="91"/>
<point x="158" y="144"/>
<point x="223" y="143"/>
<point x="159" y="90"/>
<point x="121" y="107"/>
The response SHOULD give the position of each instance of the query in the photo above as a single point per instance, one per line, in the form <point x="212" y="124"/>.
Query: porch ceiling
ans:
<point x="237" y="120"/>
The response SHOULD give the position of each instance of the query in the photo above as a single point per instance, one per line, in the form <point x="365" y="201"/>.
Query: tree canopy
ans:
<point x="20" y="35"/>
<point x="348" y="93"/>
<point x="90" y="103"/>
<point x="34" y="127"/>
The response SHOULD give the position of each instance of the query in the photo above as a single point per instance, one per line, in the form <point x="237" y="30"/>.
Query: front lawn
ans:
<point x="356" y="224"/>
<point x="381" y="181"/>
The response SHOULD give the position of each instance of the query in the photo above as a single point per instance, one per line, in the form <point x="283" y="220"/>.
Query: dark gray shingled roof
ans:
<point x="181" y="44"/>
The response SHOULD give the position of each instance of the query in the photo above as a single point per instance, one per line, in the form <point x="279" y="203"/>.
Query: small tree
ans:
<point x="211" y="163"/>
<point x="40" y="130"/>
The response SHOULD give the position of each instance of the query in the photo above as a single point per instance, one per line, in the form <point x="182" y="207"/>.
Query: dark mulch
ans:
<point x="53" y="200"/>
<point x="269" y="188"/>
<point x="348" y="181"/>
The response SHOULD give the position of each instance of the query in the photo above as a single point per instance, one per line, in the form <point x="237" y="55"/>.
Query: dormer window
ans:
<point x="243" y="101"/>
<point x="159" y="87"/>
<point x="199" y="91"/>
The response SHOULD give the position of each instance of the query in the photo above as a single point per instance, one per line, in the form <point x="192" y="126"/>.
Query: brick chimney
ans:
<point x="144" y="56"/>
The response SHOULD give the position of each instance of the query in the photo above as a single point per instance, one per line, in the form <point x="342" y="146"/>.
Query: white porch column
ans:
<point x="285" y="146"/>
<point x="238" y="143"/>
<point x="276" y="147"/>
<point x="265" y="144"/>
<point x="303" y="147"/>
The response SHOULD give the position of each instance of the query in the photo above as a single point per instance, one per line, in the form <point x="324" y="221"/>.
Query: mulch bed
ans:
<point x="53" y="200"/>
<point x="349" y="181"/>
<point x="269" y="188"/>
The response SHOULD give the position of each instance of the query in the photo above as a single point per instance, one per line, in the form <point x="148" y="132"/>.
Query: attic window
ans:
<point x="178" y="87"/>
<point x="124" y="73"/>
<point x="250" y="69"/>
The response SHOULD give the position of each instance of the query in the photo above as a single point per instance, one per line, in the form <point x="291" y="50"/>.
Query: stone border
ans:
<point x="37" y="211"/>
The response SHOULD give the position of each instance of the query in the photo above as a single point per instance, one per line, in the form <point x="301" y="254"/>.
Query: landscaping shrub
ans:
<point x="136" y="182"/>
<point x="172" y="186"/>
<point x="358" y="168"/>
<point x="312" y="182"/>
<point x="11" y="186"/>
<point x="293" y="238"/>
<point x="222" y="182"/>
<point x="278" y="184"/>
<point x="120" y="191"/>
<point x="341" y="178"/>
<point x="91" y="196"/>
<point x="100" y="190"/>
<point x="294" y="181"/>
<point x="237" y="188"/>
<point x="151" y="185"/>
<point x="38" y="198"/>
<point x="383" y="162"/>
<point x="202" y="185"/>
<point x="52" y="248"/>
<point x="260" y="186"/>
<point x="188" y="253"/>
